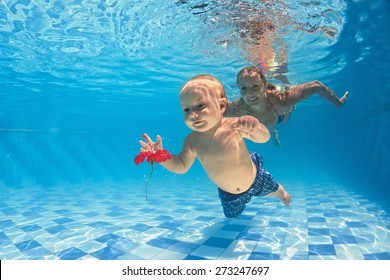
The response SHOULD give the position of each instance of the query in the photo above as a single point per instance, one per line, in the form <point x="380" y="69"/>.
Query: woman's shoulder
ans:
<point x="282" y="98"/>
<point x="235" y="102"/>
<point x="278" y="93"/>
<point x="234" y="108"/>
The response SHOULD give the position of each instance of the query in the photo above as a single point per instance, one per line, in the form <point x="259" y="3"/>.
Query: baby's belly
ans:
<point x="237" y="181"/>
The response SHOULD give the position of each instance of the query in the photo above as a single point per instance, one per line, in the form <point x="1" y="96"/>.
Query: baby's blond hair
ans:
<point x="211" y="81"/>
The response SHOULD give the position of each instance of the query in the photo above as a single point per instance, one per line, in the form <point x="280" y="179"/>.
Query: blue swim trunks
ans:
<point x="234" y="204"/>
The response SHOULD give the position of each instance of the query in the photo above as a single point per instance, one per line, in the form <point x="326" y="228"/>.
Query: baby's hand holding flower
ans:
<point x="152" y="152"/>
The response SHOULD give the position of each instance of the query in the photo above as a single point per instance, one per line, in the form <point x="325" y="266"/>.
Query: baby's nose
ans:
<point x="193" y="115"/>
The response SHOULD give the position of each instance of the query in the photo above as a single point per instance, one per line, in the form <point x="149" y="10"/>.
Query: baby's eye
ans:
<point x="243" y="88"/>
<point x="255" y="86"/>
<point x="201" y="106"/>
<point x="186" y="110"/>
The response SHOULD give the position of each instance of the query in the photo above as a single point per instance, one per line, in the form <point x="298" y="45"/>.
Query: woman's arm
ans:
<point x="275" y="137"/>
<point x="301" y="92"/>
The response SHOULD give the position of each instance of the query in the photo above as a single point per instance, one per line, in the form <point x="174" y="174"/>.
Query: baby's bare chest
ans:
<point x="220" y="147"/>
<point x="213" y="151"/>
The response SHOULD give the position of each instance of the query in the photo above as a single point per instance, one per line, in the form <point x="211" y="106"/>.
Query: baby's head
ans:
<point x="203" y="100"/>
<point x="214" y="85"/>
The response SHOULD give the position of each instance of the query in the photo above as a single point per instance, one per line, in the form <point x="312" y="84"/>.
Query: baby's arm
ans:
<point x="178" y="163"/>
<point x="250" y="128"/>
<point x="303" y="91"/>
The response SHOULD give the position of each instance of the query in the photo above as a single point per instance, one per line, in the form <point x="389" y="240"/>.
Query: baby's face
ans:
<point x="252" y="89"/>
<point x="201" y="106"/>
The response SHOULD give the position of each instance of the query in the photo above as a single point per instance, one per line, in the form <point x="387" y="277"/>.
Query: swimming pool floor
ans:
<point x="324" y="221"/>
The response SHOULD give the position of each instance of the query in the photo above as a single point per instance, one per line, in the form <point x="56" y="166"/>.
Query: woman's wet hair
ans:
<point x="250" y="71"/>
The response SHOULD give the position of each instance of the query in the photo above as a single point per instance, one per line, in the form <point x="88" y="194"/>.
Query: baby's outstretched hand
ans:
<point x="149" y="145"/>
<point x="247" y="123"/>
<point x="250" y="128"/>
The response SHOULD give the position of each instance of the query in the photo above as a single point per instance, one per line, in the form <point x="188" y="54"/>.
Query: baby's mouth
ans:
<point x="197" y="123"/>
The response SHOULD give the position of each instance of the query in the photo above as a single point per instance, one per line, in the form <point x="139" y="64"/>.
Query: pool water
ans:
<point x="82" y="80"/>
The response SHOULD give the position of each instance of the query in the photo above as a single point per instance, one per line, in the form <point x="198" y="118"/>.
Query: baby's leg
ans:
<point x="282" y="195"/>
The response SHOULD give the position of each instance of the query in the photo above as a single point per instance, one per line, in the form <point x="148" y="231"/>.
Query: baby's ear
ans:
<point x="223" y="104"/>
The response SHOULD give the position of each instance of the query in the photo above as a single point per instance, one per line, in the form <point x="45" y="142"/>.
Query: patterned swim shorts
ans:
<point x="234" y="204"/>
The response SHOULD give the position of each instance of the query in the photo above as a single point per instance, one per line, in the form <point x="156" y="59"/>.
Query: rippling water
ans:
<point x="112" y="55"/>
<point x="120" y="48"/>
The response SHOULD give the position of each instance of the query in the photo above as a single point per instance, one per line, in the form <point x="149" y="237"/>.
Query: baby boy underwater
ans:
<point x="219" y="145"/>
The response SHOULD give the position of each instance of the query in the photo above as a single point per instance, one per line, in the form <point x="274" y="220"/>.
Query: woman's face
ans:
<point x="252" y="89"/>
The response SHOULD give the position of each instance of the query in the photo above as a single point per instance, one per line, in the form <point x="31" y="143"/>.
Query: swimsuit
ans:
<point x="282" y="116"/>
<point x="234" y="204"/>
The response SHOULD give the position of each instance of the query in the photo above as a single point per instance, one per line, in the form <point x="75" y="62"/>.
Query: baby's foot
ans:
<point x="286" y="198"/>
<point x="283" y="195"/>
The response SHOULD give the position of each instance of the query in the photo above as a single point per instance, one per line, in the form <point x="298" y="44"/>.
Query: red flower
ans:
<point x="152" y="157"/>
<point x="141" y="157"/>
<point x="157" y="156"/>
<point x="161" y="156"/>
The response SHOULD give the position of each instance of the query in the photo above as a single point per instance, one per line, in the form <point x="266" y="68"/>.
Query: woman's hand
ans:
<point x="343" y="99"/>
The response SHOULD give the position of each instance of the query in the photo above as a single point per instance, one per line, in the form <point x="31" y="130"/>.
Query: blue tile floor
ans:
<point x="324" y="221"/>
